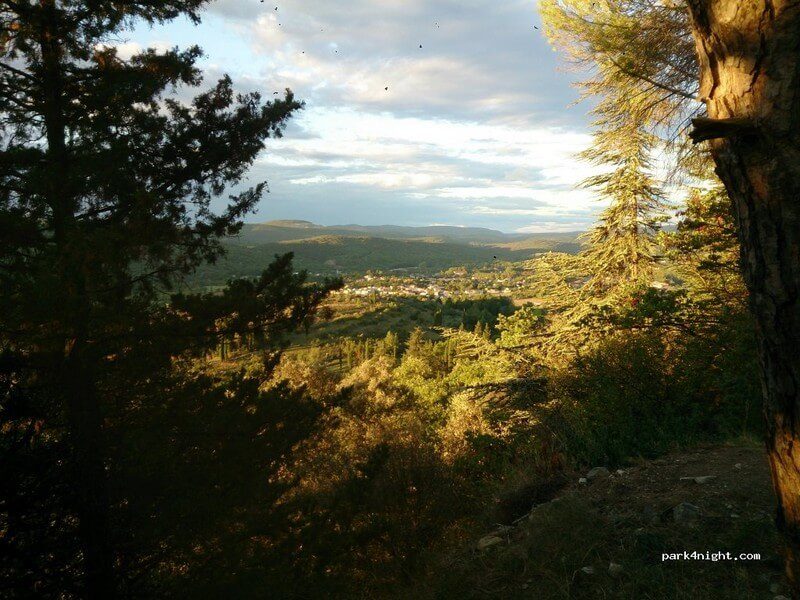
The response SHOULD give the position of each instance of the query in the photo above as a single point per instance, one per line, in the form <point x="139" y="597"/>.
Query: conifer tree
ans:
<point x="106" y="190"/>
<point x="634" y="56"/>
<point x="621" y="246"/>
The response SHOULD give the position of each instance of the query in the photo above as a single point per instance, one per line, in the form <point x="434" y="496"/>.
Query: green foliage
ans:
<point x="243" y="456"/>
<point x="705" y="252"/>
<point x="521" y="327"/>
<point x="621" y="246"/>
<point x="195" y="471"/>
<point x="639" y="66"/>
<point x="641" y="395"/>
<point x="107" y="183"/>
<point x="333" y="255"/>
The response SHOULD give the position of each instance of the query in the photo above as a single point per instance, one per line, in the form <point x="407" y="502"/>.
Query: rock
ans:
<point x="583" y="481"/>
<point x="587" y="570"/>
<point x="501" y="530"/>
<point x="620" y="472"/>
<point x="615" y="569"/>
<point x="598" y="473"/>
<point x="737" y="466"/>
<point x="685" y="513"/>
<point x="701" y="480"/>
<point x="489" y="541"/>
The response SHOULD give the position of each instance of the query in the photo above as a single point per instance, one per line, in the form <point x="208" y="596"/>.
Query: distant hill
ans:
<point x="357" y="248"/>
<point x="279" y="231"/>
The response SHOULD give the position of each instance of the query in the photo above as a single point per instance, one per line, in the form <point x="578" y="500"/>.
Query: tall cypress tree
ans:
<point x="106" y="187"/>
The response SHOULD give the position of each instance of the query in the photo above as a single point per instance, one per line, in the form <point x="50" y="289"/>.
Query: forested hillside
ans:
<point x="195" y="407"/>
<point x="352" y="252"/>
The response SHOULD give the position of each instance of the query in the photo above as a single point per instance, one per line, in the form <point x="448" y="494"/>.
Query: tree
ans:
<point x="106" y="185"/>
<point x="704" y="252"/>
<point x="750" y="84"/>
<point x="621" y="246"/>
<point x="637" y="86"/>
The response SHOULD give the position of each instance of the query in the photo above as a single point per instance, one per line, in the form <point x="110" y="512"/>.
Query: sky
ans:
<point x="478" y="126"/>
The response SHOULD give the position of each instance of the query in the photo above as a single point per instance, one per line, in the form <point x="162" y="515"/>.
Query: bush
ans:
<point x="641" y="394"/>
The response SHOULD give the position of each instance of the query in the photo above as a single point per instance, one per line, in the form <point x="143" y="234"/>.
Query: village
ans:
<point x="513" y="280"/>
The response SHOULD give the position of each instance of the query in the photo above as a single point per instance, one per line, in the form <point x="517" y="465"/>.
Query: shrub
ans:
<point x="641" y="394"/>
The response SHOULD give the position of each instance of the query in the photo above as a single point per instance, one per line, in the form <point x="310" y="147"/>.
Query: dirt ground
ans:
<point x="608" y="537"/>
<point x="649" y="490"/>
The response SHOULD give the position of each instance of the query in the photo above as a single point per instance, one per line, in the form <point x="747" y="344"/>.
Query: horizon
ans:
<point x="274" y="222"/>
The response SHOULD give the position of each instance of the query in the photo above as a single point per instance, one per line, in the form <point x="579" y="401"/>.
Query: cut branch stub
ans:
<point x="706" y="128"/>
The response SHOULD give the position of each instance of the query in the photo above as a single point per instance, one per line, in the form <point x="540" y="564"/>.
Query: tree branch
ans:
<point x="706" y="128"/>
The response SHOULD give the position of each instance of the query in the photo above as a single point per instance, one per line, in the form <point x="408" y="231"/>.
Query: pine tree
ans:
<point x="621" y="246"/>
<point x="636" y="59"/>
<point x="415" y="344"/>
<point x="106" y="186"/>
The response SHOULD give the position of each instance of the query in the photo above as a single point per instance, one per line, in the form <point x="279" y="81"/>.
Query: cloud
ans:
<point x="471" y="130"/>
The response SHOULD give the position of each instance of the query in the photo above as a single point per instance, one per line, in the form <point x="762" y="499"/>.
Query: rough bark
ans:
<point x="76" y="376"/>
<point x="749" y="54"/>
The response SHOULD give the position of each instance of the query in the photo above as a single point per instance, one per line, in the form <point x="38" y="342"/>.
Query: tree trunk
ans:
<point x="74" y="309"/>
<point x="749" y="56"/>
<point x="91" y="489"/>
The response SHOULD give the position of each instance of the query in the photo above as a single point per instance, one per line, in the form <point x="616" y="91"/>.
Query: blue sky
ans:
<point x="476" y="127"/>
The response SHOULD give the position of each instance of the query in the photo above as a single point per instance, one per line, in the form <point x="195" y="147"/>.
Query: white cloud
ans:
<point x="472" y="127"/>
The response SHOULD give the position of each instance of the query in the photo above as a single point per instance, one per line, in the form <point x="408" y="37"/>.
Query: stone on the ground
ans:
<point x="598" y="473"/>
<point x="587" y="570"/>
<point x="615" y="569"/>
<point x="583" y="481"/>
<point x="685" y="513"/>
<point x="488" y="541"/>
<point x="701" y="479"/>
<point x="620" y="472"/>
